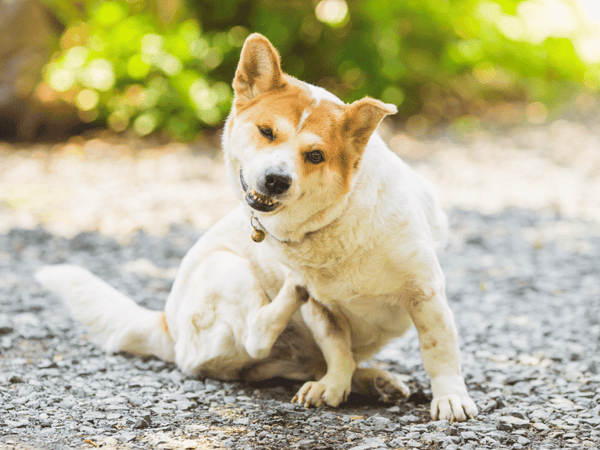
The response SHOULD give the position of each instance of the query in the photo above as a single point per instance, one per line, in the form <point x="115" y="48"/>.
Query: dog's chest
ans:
<point x="338" y="270"/>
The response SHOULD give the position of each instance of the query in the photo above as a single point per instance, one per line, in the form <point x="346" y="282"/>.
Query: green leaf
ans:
<point x="137" y="68"/>
<point x="109" y="13"/>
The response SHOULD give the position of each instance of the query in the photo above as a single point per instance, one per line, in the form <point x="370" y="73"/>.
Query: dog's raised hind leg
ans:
<point x="267" y="323"/>
<point x="385" y="386"/>
<point x="332" y="334"/>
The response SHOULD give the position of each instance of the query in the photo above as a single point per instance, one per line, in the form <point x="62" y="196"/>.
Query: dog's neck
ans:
<point x="318" y="222"/>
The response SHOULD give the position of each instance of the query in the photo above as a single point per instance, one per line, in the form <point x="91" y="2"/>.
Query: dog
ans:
<point x="330" y="254"/>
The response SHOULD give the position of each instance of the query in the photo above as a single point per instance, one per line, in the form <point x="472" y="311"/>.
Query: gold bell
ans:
<point x="258" y="235"/>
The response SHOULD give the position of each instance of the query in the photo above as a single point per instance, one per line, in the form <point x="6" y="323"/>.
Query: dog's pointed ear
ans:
<point x="362" y="117"/>
<point x="259" y="69"/>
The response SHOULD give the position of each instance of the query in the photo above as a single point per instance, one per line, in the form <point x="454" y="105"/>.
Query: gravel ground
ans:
<point x="523" y="280"/>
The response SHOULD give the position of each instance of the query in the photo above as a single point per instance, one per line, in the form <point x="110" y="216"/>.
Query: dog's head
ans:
<point x="293" y="149"/>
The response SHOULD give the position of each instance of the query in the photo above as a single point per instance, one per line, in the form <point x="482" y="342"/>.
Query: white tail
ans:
<point x="117" y="322"/>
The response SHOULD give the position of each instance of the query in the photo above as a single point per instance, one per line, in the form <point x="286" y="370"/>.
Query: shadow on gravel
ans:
<point x="524" y="288"/>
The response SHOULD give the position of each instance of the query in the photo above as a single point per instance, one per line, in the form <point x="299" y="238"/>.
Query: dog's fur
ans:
<point x="349" y="260"/>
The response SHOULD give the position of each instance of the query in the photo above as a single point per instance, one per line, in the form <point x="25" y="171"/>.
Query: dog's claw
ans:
<point x="295" y="399"/>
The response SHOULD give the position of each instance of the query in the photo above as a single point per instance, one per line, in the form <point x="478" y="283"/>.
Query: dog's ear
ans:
<point x="259" y="69"/>
<point x="362" y="117"/>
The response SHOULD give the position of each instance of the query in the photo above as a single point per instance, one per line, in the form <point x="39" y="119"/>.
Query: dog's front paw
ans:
<point x="317" y="393"/>
<point x="454" y="408"/>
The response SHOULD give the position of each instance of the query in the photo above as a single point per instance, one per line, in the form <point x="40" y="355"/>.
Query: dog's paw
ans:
<point x="385" y="386"/>
<point x="390" y="388"/>
<point x="454" y="408"/>
<point x="317" y="393"/>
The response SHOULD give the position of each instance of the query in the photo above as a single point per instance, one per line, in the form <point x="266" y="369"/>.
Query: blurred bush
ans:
<point x="120" y="63"/>
<point x="168" y="64"/>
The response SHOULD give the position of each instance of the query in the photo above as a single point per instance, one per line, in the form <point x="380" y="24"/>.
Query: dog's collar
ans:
<point x="259" y="231"/>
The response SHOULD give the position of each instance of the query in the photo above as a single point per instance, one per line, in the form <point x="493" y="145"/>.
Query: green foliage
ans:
<point x="441" y="59"/>
<point x="438" y="59"/>
<point x="123" y="67"/>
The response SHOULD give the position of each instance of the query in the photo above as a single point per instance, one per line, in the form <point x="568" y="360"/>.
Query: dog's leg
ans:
<point x="385" y="386"/>
<point x="434" y="321"/>
<point x="268" y="322"/>
<point x="332" y="334"/>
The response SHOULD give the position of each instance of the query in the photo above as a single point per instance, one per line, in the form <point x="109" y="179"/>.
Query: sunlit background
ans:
<point x="110" y="111"/>
<point x="165" y="65"/>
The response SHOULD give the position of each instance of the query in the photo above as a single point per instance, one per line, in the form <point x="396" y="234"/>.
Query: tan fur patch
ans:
<point x="302" y="293"/>
<point x="163" y="323"/>
<point x="326" y="121"/>
<point x="333" y="323"/>
<point x="293" y="114"/>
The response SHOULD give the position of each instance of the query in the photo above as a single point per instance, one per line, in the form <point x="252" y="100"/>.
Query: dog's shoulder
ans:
<point x="402" y="199"/>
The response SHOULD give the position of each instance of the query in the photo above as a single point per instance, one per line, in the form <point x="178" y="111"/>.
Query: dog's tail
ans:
<point x="115" y="321"/>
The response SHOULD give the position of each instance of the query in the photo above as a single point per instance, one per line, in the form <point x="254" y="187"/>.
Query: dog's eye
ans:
<point x="266" y="132"/>
<point x="315" y="157"/>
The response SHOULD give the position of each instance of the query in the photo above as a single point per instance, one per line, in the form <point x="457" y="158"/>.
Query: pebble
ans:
<point x="468" y="436"/>
<point x="367" y="444"/>
<point x="5" y="325"/>
<point x="507" y="423"/>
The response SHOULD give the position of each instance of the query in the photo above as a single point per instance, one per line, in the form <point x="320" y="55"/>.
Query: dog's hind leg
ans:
<point x="332" y="334"/>
<point x="267" y="323"/>
<point x="380" y="384"/>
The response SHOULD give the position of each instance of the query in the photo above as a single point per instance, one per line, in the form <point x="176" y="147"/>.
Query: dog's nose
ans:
<point x="277" y="183"/>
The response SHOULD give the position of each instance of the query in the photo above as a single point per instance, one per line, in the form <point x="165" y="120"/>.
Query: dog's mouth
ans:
<point x="259" y="202"/>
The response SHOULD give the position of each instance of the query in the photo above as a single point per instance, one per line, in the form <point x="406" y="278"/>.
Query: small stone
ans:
<point x="15" y="379"/>
<point x="5" y="325"/>
<point x="468" y="436"/>
<point x="143" y="422"/>
<point x="540" y="426"/>
<point x="397" y="442"/>
<point x="135" y="400"/>
<point x="372" y="444"/>
<point x="379" y="423"/>
<point x="228" y="443"/>
<point x="540" y="414"/>
<point x="21" y="423"/>
<point x="507" y="423"/>
<point x="572" y="421"/>
<point x="408" y="419"/>
<point x="438" y="425"/>
<point x="192" y="386"/>
<point x="184" y="405"/>
<point x="593" y="421"/>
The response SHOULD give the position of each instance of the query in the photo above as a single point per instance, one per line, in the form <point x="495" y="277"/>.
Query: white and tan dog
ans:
<point x="348" y="260"/>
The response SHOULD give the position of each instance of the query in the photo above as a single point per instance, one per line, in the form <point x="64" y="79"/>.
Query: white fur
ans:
<point x="318" y="93"/>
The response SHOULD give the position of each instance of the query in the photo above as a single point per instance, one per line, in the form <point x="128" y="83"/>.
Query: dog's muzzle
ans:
<point x="275" y="184"/>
